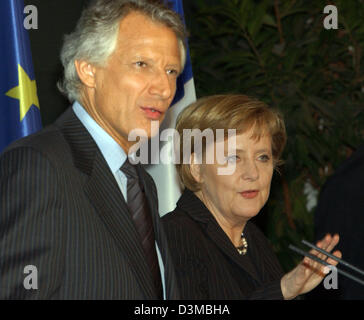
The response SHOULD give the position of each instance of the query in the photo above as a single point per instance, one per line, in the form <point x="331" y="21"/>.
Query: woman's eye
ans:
<point x="264" y="158"/>
<point x="232" y="159"/>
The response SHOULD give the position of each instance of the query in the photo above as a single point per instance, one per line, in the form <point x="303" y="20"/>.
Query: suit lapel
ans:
<point x="222" y="241"/>
<point x="105" y="195"/>
<point x="194" y="207"/>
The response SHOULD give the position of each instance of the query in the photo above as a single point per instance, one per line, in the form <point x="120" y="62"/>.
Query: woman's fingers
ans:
<point x="338" y="254"/>
<point x="331" y="242"/>
<point x="327" y="243"/>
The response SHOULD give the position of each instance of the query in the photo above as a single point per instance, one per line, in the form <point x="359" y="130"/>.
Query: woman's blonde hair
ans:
<point x="230" y="111"/>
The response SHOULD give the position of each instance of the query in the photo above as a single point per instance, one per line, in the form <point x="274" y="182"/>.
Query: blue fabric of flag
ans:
<point x="164" y="174"/>
<point x="186" y="75"/>
<point x="17" y="85"/>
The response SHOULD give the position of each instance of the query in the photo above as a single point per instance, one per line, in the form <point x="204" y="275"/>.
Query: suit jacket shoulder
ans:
<point x="61" y="210"/>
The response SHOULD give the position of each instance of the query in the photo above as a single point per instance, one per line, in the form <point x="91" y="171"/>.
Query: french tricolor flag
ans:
<point x="165" y="175"/>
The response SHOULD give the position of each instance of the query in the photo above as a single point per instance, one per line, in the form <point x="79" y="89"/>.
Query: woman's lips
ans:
<point x="152" y="113"/>
<point x="249" y="194"/>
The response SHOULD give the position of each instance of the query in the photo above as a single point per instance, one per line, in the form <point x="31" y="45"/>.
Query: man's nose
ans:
<point x="162" y="85"/>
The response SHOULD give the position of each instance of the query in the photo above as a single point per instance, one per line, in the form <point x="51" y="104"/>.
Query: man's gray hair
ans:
<point x="95" y="36"/>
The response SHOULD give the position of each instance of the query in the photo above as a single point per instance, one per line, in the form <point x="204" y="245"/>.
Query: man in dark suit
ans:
<point x="77" y="219"/>
<point x="341" y="209"/>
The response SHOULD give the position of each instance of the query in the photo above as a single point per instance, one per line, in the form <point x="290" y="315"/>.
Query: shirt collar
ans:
<point x="113" y="153"/>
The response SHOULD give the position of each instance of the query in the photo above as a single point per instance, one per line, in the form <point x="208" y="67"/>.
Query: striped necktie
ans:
<point x="139" y="210"/>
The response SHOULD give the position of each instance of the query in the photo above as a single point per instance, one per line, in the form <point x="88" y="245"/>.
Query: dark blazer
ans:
<point x="207" y="264"/>
<point x="340" y="209"/>
<point x="61" y="210"/>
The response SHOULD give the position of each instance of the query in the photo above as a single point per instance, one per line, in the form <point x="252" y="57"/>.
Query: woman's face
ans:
<point x="236" y="198"/>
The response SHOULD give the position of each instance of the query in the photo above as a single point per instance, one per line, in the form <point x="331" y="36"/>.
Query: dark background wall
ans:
<point x="55" y="18"/>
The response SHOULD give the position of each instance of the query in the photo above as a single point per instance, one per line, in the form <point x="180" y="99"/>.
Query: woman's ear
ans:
<point x="196" y="168"/>
<point x="86" y="73"/>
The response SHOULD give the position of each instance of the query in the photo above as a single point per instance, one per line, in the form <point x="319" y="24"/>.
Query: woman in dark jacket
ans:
<point x="218" y="253"/>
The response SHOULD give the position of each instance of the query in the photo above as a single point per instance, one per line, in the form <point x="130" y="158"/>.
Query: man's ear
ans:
<point x="195" y="168"/>
<point x="86" y="73"/>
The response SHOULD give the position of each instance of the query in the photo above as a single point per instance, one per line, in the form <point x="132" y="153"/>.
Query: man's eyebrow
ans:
<point x="176" y="65"/>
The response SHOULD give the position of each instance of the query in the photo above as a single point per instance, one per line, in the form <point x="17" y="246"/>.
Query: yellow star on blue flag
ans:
<point x="25" y="92"/>
<point x="19" y="104"/>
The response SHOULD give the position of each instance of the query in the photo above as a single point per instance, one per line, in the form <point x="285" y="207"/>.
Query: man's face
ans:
<point x="138" y="83"/>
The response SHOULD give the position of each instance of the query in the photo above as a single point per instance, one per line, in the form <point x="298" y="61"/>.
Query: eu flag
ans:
<point x="187" y="75"/>
<point x="19" y="105"/>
